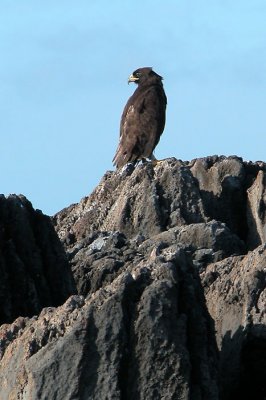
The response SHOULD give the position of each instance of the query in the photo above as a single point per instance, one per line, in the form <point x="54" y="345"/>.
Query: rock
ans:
<point x="174" y="193"/>
<point x="169" y="265"/>
<point x="100" y="258"/>
<point x="146" y="200"/>
<point x="223" y="190"/>
<point x="256" y="210"/>
<point x="34" y="269"/>
<point x="144" y="335"/>
<point x="212" y="208"/>
<point x="235" y="291"/>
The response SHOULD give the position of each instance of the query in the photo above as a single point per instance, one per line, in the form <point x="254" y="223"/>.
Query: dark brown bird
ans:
<point x="143" y="118"/>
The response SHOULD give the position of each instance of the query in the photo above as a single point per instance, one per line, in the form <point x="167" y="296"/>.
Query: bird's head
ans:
<point x="142" y="74"/>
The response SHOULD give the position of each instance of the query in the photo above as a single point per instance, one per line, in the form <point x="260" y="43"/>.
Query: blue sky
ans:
<point x="63" y="79"/>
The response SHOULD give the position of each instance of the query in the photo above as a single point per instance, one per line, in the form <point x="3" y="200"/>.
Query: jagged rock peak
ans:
<point x="148" y="200"/>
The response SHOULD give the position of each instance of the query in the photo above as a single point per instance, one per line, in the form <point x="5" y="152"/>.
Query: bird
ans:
<point x="143" y="119"/>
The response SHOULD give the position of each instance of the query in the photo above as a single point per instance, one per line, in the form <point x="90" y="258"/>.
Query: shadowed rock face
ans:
<point x="169" y="264"/>
<point x="235" y="290"/>
<point x="34" y="269"/>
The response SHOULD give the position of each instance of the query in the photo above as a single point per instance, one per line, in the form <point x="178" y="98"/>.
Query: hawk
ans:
<point x="143" y="118"/>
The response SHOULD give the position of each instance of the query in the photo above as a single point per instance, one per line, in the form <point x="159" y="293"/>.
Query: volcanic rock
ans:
<point x="169" y="263"/>
<point x="34" y="268"/>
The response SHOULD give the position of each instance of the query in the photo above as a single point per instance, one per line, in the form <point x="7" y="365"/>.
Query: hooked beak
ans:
<point x="132" y="78"/>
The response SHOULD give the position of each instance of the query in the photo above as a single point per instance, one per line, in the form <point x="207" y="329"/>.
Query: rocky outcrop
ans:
<point x="150" y="200"/>
<point x="145" y="334"/>
<point x="34" y="269"/>
<point x="169" y="264"/>
<point x="144" y="200"/>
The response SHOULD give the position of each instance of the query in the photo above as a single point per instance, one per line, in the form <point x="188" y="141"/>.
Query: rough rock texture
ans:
<point x="150" y="200"/>
<point x="33" y="266"/>
<point x="256" y="210"/>
<point x="144" y="200"/>
<point x="170" y="268"/>
<point x="235" y="291"/>
<point x="146" y="335"/>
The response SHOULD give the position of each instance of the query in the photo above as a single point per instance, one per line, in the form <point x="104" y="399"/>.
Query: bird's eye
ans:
<point x="137" y="74"/>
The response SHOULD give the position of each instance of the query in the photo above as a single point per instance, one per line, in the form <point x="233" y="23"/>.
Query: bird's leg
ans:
<point x="154" y="160"/>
